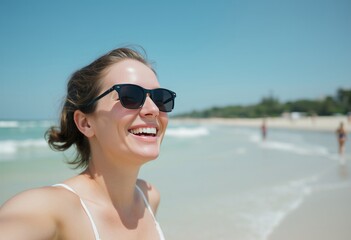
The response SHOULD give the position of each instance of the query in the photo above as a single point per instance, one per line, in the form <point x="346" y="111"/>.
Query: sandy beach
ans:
<point x="303" y="123"/>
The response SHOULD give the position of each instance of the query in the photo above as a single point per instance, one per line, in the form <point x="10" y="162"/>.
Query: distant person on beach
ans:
<point x="341" y="136"/>
<point x="115" y="115"/>
<point x="264" y="129"/>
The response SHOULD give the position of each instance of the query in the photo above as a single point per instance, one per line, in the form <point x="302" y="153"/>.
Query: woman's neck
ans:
<point x="114" y="182"/>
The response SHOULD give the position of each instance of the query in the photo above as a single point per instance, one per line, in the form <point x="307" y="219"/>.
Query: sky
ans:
<point x="211" y="53"/>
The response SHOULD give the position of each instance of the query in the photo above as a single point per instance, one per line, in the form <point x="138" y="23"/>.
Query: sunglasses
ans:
<point x="133" y="96"/>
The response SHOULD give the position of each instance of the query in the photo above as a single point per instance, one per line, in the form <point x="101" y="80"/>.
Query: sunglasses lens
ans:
<point x="131" y="96"/>
<point x="163" y="99"/>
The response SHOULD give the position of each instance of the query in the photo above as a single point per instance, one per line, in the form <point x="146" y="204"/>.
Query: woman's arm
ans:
<point x="29" y="216"/>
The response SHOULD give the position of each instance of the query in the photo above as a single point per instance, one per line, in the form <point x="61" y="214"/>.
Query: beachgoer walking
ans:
<point x="115" y="114"/>
<point x="341" y="137"/>
<point x="264" y="129"/>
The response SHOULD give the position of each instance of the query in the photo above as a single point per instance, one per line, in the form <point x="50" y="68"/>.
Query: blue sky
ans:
<point x="212" y="53"/>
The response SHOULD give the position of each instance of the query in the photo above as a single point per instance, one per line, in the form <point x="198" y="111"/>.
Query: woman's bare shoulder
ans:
<point x="151" y="193"/>
<point x="33" y="213"/>
<point x="30" y="200"/>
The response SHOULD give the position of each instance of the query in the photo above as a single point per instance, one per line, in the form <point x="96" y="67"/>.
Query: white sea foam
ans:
<point x="13" y="146"/>
<point x="285" y="146"/>
<point x="9" y="124"/>
<point x="25" y="124"/>
<point x="261" y="211"/>
<point x="255" y="214"/>
<point x="305" y="149"/>
<point x="187" y="132"/>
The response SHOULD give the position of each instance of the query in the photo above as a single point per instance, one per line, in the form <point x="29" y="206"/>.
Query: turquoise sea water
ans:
<point x="216" y="181"/>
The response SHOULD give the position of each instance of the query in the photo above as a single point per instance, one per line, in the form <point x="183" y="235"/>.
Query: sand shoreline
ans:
<point x="323" y="216"/>
<point x="304" y="123"/>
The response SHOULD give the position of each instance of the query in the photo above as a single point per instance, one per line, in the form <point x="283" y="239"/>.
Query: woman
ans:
<point x="115" y="114"/>
<point x="341" y="136"/>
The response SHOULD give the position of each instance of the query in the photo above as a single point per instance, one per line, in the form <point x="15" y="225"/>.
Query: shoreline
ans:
<point x="323" y="215"/>
<point x="303" y="123"/>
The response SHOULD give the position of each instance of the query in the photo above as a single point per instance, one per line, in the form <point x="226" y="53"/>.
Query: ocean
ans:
<point x="216" y="181"/>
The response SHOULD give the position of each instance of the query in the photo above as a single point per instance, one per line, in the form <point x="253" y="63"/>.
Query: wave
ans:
<point x="10" y="147"/>
<point x="9" y="124"/>
<point x="306" y="150"/>
<point x="187" y="132"/>
<point x="290" y="147"/>
<point x="25" y="124"/>
<point x="256" y="214"/>
<point x="280" y="202"/>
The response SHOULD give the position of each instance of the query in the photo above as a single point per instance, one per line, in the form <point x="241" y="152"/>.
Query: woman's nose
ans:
<point x="149" y="108"/>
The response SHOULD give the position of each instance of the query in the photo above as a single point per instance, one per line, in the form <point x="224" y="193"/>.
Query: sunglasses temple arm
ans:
<point x="101" y="96"/>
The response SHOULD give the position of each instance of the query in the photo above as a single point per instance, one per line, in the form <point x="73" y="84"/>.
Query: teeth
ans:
<point x="143" y="131"/>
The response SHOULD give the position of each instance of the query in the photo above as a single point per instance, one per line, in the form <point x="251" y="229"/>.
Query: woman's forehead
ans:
<point x="131" y="71"/>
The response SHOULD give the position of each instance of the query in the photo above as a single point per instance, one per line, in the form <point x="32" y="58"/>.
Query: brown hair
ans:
<point x="82" y="87"/>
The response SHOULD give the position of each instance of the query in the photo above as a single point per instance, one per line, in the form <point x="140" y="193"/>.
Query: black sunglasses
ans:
<point x="133" y="96"/>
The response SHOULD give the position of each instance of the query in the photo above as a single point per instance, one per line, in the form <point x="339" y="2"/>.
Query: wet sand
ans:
<point x="324" y="216"/>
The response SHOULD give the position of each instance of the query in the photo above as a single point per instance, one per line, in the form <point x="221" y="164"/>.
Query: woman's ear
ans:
<point x="82" y="123"/>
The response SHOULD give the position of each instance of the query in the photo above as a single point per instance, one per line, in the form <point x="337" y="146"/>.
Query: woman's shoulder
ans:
<point x="29" y="200"/>
<point x="44" y="201"/>
<point x="151" y="193"/>
<point x="34" y="212"/>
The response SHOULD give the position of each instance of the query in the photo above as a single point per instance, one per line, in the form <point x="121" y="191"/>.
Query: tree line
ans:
<point x="270" y="106"/>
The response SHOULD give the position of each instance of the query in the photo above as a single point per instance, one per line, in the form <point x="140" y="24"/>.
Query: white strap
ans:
<point x="146" y="202"/>
<point x="96" y="233"/>
<point x="158" y="228"/>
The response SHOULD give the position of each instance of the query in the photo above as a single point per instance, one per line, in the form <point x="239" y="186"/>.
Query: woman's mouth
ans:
<point x="145" y="131"/>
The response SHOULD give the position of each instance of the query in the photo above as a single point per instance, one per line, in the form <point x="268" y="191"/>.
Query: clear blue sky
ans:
<point x="212" y="53"/>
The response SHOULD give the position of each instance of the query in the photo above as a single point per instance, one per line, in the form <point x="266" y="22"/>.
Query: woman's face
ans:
<point x="120" y="133"/>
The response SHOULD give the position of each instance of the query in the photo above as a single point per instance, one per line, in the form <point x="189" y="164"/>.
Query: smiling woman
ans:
<point x="115" y="114"/>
